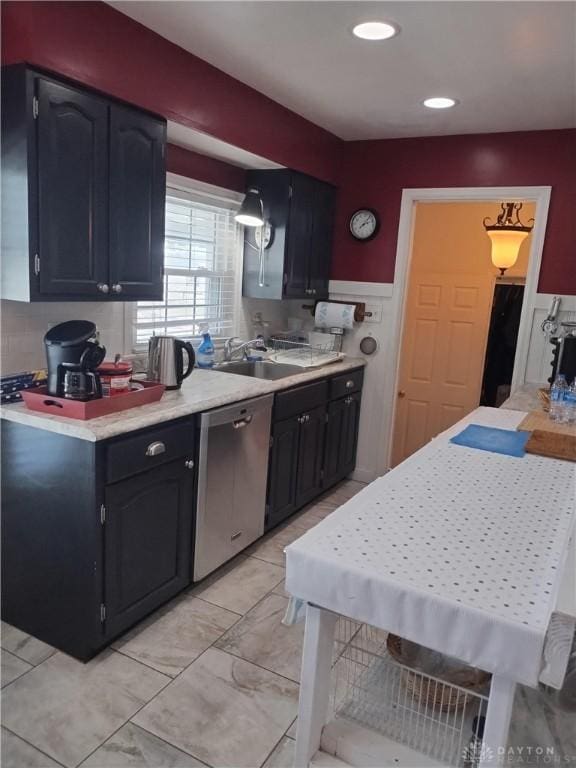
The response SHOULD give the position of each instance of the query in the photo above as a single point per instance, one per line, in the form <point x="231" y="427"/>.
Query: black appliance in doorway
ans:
<point x="73" y="352"/>
<point x="501" y="346"/>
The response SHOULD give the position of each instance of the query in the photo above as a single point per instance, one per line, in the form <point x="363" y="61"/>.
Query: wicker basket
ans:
<point x="435" y="695"/>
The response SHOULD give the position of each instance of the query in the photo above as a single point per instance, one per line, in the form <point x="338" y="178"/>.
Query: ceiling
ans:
<point x="511" y="65"/>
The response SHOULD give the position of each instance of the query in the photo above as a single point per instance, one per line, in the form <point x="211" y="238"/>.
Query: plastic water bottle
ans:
<point x="205" y="352"/>
<point x="558" y="392"/>
<point x="570" y="403"/>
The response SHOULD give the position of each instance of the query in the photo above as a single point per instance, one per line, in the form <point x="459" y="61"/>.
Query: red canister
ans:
<point x="115" y="377"/>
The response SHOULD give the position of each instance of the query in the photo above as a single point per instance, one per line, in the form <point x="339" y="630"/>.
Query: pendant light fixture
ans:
<point x="507" y="235"/>
<point x="251" y="213"/>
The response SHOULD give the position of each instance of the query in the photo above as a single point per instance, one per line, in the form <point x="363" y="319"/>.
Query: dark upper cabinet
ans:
<point x="147" y="550"/>
<point x="83" y="186"/>
<point x="137" y="201"/>
<point x="297" y="262"/>
<point x="72" y="189"/>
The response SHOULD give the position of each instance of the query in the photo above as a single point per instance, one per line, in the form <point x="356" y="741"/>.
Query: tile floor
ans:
<point x="209" y="680"/>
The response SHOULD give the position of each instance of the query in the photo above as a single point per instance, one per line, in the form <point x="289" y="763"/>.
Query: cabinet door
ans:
<point x="299" y="237"/>
<point x="310" y="455"/>
<point x="282" y="471"/>
<point x="147" y="542"/>
<point x="321" y="243"/>
<point x="137" y="199"/>
<point x="341" y="439"/>
<point x="72" y="191"/>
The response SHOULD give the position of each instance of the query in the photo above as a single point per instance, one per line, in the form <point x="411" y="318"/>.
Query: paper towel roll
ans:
<point x="331" y="315"/>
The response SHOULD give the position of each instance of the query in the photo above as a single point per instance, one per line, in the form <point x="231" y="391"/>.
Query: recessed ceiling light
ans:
<point x="439" y="102"/>
<point x="375" y="30"/>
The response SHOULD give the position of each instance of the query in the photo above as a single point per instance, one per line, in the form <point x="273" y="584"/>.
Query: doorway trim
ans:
<point x="410" y="197"/>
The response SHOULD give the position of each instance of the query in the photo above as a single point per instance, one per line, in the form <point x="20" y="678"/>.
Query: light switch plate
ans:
<point x="376" y="311"/>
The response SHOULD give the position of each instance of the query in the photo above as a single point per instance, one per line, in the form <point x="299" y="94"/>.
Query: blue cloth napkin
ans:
<point x="506" y="441"/>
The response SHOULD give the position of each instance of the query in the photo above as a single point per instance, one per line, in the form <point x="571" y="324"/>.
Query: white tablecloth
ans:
<point x="457" y="549"/>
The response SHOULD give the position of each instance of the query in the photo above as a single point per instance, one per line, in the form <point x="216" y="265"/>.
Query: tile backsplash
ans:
<point x="22" y="329"/>
<point x="22" y="326"/>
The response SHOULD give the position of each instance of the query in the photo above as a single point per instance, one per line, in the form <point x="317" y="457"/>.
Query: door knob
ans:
<point x="117" y="288"/>
<point x="103" y="287"/>
<point x="401" y="393"/>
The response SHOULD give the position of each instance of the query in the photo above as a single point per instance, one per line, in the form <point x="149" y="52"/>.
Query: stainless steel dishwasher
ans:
<point x="232" y="476"/>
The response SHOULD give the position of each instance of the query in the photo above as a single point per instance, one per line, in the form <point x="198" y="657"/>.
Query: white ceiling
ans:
<point x="512" y="65"/>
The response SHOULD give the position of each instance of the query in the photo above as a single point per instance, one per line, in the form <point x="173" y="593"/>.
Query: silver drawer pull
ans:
<point x="155" y="449"/>
<point x="242" y="422"/>
<point x="349" y="384"/>
<point x="189" y="464"/>
<point x="236" y="536"/>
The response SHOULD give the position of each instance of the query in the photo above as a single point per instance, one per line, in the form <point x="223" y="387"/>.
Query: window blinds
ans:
<point x="201" y="271"/>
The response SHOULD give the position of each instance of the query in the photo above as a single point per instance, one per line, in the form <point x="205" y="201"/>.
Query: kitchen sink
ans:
<point x="259" y="369"/>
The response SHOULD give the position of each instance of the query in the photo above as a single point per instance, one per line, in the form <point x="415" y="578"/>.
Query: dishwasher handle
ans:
<point x="240" y="423"/>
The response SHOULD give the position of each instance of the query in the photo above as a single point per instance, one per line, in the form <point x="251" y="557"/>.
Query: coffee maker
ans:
<point x="73" y="352"/>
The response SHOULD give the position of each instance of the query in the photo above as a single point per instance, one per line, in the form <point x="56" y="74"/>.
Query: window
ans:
<point x="202" y="266"/>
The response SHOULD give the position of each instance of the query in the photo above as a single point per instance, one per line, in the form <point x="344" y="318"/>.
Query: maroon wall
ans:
<point x="373" y="174"/>
<point x="93" y="43"/>
<point x="195" y="166"/>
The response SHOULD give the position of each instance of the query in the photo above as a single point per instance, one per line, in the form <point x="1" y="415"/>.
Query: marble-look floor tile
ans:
<point x="24" y="646"/>
<point x="239" y="587"/>
<point x="173" y="637"/>
<point x="305" y="520"/>
<point x="133" y="747"/>
<point x="283" y="755"/>
<point x="16" y="753"/>
<point x="271" y="547"/>
<point x="537" y="722"/>
<point x="67" y="709"/>
<point x="291" y="732"/>
<point x="11" y="667"/>
<point x="223" y="710"/>
<point x="323" y="509"/>
<point x="261" y="637"/>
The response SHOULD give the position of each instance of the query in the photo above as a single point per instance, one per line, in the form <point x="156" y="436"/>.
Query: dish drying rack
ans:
<point x="295" y="349"/>
<point x="402" y="703"/>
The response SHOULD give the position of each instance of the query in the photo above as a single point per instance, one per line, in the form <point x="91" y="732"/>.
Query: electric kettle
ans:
<point x="166" y="360"/>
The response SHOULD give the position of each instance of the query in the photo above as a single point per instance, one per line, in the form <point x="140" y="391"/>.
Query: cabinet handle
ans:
<point x="302" y="419"/>
<point x="348" y="400"/>
<point x="155" y="449"/>
<point x="349" y="384"/>
<point x="189" y="464"/>
<point x="117" y="288"/>
<point x="103" y="287"/>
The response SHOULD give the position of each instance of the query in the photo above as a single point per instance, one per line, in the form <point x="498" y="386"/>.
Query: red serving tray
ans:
<point x="40" y="400"/>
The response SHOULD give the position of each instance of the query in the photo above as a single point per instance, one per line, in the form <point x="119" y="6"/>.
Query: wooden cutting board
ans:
<point x="549" y="438"/>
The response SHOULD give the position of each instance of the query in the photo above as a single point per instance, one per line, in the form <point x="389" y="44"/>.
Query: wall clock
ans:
<point x="364" y="224"/>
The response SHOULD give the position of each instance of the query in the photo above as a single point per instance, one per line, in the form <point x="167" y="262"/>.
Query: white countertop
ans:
<point x="525" y="398"/>
<point x="458" y="549"/>
<point x="202" y="391"/>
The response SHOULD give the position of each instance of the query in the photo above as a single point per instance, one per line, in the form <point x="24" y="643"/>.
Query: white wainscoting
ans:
<point x="376" y="395"/>
<point x="540" y="350"/>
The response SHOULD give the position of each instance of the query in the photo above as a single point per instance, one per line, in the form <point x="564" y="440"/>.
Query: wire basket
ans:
<point x="426" y="713"/>
<point x="294" y="349"/>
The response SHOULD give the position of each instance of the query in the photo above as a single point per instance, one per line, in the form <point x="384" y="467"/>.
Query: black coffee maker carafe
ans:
<point x="73" y="352"/>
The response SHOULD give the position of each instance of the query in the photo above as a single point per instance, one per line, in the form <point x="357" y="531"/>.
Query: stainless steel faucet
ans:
<point x="230" y="351"/>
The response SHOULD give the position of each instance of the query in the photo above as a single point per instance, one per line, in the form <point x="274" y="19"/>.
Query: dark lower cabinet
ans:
<point x="147" y="551"/>
<point x="310" y="454"/>
<point x="341" y="438"/>
<point x="314" y="442"/>
<point x="283" y="469"/>
<point x="95" y="535"/>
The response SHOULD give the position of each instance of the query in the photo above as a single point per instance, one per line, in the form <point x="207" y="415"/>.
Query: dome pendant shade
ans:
<point x="506" y="247"/>
<point x="507" y="235"/>
<point x="251" y="213"/>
